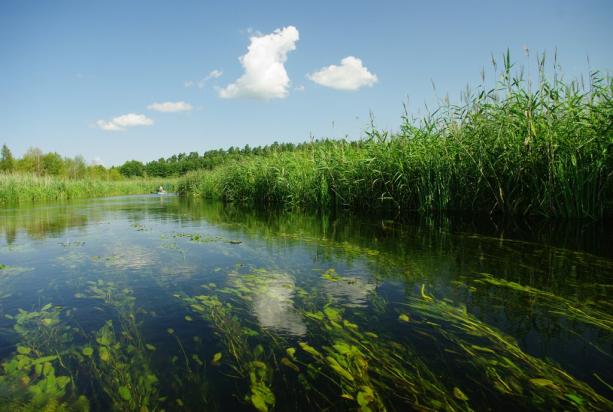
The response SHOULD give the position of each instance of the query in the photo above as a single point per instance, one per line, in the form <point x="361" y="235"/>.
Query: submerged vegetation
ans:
<point x="294" y="313"/>
<point x="22" y="188"/>
<point x="516" y="149"/>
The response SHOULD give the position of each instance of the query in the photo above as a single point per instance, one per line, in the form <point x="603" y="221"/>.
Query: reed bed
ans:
<point x="24" y="188"/>
<point x="517" y="148"/>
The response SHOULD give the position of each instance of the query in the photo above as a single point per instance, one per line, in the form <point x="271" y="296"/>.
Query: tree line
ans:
<point x="35" y="161"/>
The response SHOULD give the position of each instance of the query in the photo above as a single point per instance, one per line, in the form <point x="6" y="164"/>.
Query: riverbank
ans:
<point x="516" y="149"/>
<point x="25" y="188"/>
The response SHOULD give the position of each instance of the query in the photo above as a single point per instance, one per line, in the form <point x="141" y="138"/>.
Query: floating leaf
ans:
<point x="188" y="318"/>
<point x="217" y="357"/>
<point x="150" y="346"/>
<point x="170" y="330"/>
<point x="88" y="351"/>
<point x="291" y="352"/>
<point x="457" y="392"/>
<point x="46" y="307"/>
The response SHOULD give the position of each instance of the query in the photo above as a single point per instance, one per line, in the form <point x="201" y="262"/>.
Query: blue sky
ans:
<point x="90" y="77"/>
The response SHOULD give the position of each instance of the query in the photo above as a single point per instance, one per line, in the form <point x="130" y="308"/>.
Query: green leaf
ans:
<point x="88" y="351"/>
<point x="403" y="317"/>
<point x="332" y="314"/>
<point x="23" y="350"/>
<point x="542" y="382"/>
<point x="457" y="392"/>
<point x="124" y="392"/>
<point x="150" y="346"/>
<point x="575" y="398"/>
<point x="104" y="354"/>
<point x="46" y="307"/>
<point x="217" y="357"/>
<point x="309" y="349"/>
<point x="290" y="364"/>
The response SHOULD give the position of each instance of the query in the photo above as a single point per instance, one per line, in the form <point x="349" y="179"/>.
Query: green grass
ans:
<point x="515" y="149"/>
<point x="24" y="188"/>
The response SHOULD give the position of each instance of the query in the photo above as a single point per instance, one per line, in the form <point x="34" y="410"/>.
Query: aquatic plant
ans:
<point x="516" y="148"/>
<point x="23" y="188"/>
<point x="119" y="361"/>
<point x="513" y="374"/>
<point x="246" y="362"/>
<point x="37" y="378"/>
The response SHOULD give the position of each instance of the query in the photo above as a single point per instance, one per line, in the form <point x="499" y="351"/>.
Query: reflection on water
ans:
<point x="273" y="304"/>
<point x="171" y="304"/>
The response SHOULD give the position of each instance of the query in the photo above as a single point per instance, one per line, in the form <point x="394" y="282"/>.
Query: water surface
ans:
<point x="157" y="303"/>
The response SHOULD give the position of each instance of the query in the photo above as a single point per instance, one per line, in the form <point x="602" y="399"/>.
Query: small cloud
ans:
<point x="350" y="75"/>
<point x="119" y="123"/>
<point x="97" y="161"/>
<point x="170" y="107"/>
<point x="299" y="88"/>
<point x="265" y="76"/>
<point x="213" y="74"/>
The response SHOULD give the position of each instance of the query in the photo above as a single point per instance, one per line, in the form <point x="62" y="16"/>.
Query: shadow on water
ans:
<point x="159" y="302"/>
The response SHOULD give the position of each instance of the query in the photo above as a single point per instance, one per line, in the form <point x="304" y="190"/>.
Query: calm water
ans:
<point x="156" y="303"/>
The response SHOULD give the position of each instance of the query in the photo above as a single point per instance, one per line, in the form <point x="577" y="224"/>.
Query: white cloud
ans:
<point x="299" y="88"/>
<point x="213" y="74"/>
<point x="265" y="76"/>
<point x="119" y="123"/>
<point x="350" y="75"/>
<point x="170" y="107"/>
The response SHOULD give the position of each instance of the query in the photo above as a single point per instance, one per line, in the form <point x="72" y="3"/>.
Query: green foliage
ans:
<point x="7" y="162"/>
<point x="29" y="380"/>
<point x="132" y="168"/>
<point x="24" y="188"/>
<point x="514" y="149"/>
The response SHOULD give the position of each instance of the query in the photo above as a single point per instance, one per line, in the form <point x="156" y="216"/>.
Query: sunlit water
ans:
<point x="156" y="303"/>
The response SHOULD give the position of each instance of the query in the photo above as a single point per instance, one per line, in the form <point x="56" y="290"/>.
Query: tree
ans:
<point x="7" y="163"/>
<point x="53" y="164"/>
<point x="132" y="168"/>
<point x="32" y="161"/>
<point x="76" y="167"/>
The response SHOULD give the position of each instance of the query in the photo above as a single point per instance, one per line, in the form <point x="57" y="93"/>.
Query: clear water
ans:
<point x="157" y="303"/>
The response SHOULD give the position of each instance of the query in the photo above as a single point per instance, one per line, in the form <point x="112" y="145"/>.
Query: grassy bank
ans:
<point x="23" y="188"/>
<point x="514" y="149"/>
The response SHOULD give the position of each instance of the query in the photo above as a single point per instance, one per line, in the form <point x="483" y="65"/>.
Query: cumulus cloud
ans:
<point x="213" y="74"/>
<point x="265" y="76"/>
<point x="170" y="107"/>
<point x="120" y="123"/>
<point x="350" y="75"/>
